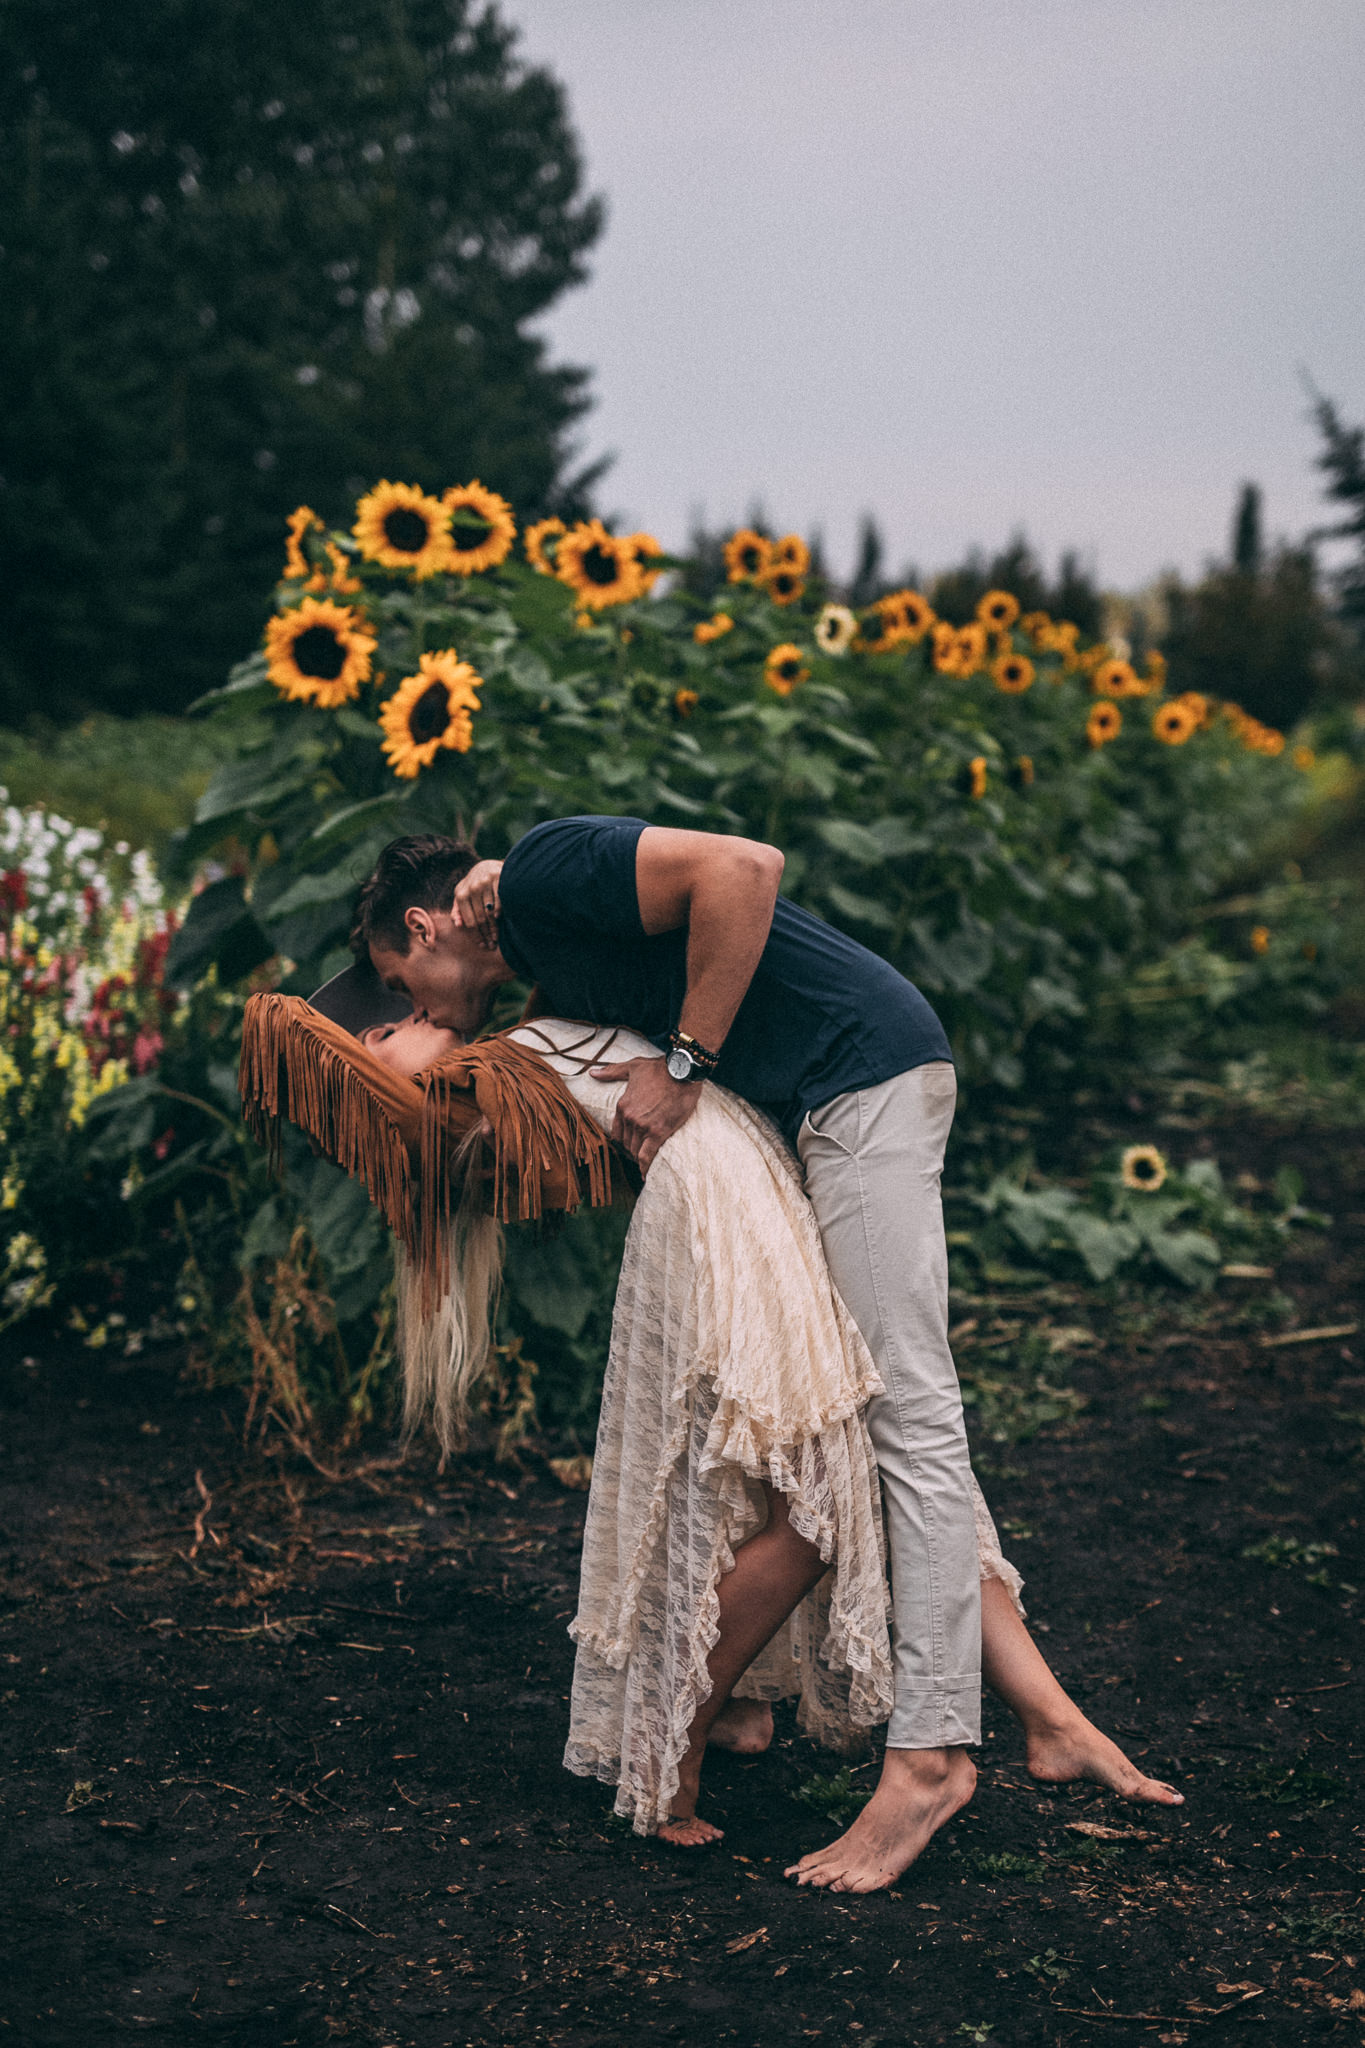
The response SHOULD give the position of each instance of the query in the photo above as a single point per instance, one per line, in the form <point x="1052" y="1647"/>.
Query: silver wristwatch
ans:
<point x="681" y="1065"/>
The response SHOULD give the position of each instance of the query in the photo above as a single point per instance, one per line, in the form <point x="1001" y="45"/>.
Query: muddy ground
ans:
<point x="281" y="1756"/>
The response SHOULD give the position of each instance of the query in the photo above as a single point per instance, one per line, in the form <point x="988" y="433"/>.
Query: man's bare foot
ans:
<point x="1076" y="1749"/>
<point x="745" y="1727"/>
<point x="920" y="1789"/>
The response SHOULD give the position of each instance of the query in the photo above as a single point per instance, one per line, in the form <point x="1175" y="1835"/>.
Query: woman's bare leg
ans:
<point x="1062" y="1743"/>
<point x="773" y="1573"/>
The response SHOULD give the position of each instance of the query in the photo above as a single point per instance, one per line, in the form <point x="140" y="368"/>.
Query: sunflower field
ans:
<point x="1036" y="832"/>
<point x="1026" y="826"/>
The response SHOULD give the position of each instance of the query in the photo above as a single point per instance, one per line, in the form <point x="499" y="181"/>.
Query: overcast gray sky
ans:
<point x="968" y="264"/>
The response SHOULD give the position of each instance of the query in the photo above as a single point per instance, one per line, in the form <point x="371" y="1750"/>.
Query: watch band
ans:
<point x="703" y="1059"/>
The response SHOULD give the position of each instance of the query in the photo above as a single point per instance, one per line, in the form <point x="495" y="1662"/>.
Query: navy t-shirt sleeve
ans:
<point x="577" y="873"/>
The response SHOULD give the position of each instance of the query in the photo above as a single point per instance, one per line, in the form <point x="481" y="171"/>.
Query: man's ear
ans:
<point x="421" y="925"/>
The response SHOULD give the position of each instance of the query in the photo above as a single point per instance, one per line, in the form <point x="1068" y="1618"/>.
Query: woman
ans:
<point x="733" y="1544"/>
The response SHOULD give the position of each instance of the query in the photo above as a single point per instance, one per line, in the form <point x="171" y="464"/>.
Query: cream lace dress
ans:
<point x="732" y="1361"/>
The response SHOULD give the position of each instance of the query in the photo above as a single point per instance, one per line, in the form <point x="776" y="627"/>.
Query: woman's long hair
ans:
<point x="446" y="1347"/>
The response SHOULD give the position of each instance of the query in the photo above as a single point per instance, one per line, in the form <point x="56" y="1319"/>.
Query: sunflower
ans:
<point x="1198" y="706"/>
<point x="791" y="551"/>
<point x="400" y="527"/>
<point x="1156" y="672"/>
<point x="945" y="648"/>
<point x="482" y="528"/>
<point x="1021" y="774"/>
<point x="1114" y="678"/>
<point x="714" y="628"/>
<point x="685" y="702"/>
<point x="341" y="582"/>
<point x="318" y="653"/>
<point x="915" y="612"/>
<point x="429" y="711"/>
<point x="1013" y="673"/>
<point x="1260" y="938"/>
<point x="1142" y="1167"/>
<point x="971" y="649"/>
<point x="784" y="668"/>
<point x="601" y="568"/>
<point x="648" y="557"/>
<point x="747" y="555"/>
<point x="536" y="541"/>
<point x="1174" y="723"/>
<point x="976" y="772"/>
<point x="1271" y="742"/>
<point x="880" y="628"/>
<point x="1104" y="724"/>
<point x="783" y="584"/>
<point x="296" y="563"/>
<point x="998" y="610"/>
<point x="835" y="629"/>
<point x="1304" y="759"/>
<point x="1037" y="625"/>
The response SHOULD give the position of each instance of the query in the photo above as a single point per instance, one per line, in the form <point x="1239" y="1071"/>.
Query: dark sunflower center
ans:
<point x="405" y="530"/>
<point x="318" y="652"/>
<point x="471" y="531"/>
<point x="430" y="715"/>
<point x="1143" y="1169"/>
<point x="751" y="560"/>
<point x="600" y="565"/>
<point x="788" y="671"/>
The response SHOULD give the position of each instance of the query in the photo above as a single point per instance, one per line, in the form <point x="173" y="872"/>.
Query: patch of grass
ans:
<point x="1029" y="1868"/>
<point x="836" y="1797"/>
<point x="1088" y="1851"/>
<point x="1293" y="1785"/>
<point x="1291" y="1553"/>
<point x="1012" y="1405"/>
<point x="1314" y="1929"/>
<point x="136" y="778"/>
<point x="1049" y="1967"/>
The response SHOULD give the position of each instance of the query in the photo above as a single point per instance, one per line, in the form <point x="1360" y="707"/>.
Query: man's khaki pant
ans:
<point x="873" y="1161"/>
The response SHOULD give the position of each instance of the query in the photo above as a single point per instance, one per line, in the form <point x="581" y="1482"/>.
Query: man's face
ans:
<point x="445" y="972"/>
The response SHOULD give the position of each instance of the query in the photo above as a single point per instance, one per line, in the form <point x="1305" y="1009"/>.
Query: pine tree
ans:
<point x="1342" y="460"/>
<point x="251" y="260"/>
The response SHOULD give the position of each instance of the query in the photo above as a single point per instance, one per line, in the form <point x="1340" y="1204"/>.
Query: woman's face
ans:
<point x="410" y="1046"/>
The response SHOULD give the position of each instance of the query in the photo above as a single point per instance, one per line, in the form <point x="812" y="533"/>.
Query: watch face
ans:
<point x="679" y="1064"/>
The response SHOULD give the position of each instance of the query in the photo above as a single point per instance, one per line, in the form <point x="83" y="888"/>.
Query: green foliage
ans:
<point x="245" y="262"/>
<point x="1257" y="629"/>
<point x="1293" y="1785"/>
<point x="136" y="779"/>
<point x="1292" y="1553"/>
<point x="1007" y="1864"/>
<point x="834" y="1797"/>
<point x="1181" y="1229"/>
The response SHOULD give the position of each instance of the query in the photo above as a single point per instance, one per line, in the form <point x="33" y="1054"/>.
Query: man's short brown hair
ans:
<point x="420" y="873"/>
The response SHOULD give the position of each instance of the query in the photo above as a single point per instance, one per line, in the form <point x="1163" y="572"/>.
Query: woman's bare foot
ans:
<point x="1060" y="1753"/>
<point x="682" y="1828"/>
<point x="920" y="1789"/>
<point x="688" y="1832"/>
<point x="745" y="1727"/>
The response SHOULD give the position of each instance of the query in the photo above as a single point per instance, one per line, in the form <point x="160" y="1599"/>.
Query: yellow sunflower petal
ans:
<point x="319" y="653"/>
<point x="430" y="711"/>
<point x="401" y="527"/>
<point x="481" y="528"/>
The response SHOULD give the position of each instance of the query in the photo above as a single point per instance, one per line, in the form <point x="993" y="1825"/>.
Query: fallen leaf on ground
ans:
<point x="743" y="1941"/>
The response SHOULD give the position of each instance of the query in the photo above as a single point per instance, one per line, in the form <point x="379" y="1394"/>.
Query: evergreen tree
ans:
<point x="1342" y="460"/>
<point x="253" y="260"/>
<point x="1255" y="629"/>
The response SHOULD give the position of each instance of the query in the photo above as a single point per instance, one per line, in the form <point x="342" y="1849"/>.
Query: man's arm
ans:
<point x="723" y="891"/>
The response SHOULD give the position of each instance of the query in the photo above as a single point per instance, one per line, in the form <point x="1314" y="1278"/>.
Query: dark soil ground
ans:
<point x="281" y="1756"/>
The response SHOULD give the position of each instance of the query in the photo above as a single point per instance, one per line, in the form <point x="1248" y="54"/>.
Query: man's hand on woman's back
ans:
<point x="653" y="1106"/>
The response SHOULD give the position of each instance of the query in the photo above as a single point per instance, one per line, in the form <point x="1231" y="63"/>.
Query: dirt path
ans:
<point x="282" y="1766"/>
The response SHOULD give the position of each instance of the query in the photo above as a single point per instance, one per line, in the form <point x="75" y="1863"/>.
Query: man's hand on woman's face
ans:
<point x="653" y="1106"/>
<point x="476" y="904"/>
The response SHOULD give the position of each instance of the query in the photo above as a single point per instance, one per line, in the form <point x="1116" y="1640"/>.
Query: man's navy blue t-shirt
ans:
<point x="821" y="1016"/>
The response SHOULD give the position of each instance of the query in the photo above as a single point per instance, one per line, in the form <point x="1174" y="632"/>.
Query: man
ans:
<point x="683" y="937"/>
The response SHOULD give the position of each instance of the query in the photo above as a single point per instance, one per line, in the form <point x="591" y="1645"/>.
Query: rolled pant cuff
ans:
<point x="945" y="1718"/>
